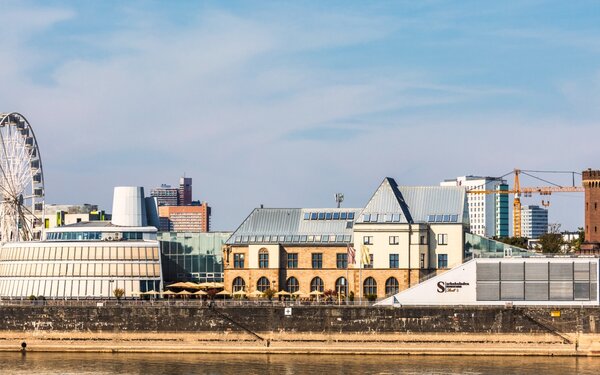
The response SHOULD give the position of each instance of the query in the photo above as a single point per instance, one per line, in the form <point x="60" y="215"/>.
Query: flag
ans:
<point x="365" y="256"/>
<point x="351" y="255"/>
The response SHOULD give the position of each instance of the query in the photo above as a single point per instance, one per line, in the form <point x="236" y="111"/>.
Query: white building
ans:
<point x="498" y="281"/>
<point x="488" y="213"/>
<point x="87" y="259"/>
<point x="534" y="221"/>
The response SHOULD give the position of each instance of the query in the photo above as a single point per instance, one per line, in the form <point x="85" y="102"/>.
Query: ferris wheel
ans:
<point x="21" y="181"/>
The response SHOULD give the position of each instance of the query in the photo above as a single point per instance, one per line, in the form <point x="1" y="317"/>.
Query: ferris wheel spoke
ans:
<point x="20" y="168"/>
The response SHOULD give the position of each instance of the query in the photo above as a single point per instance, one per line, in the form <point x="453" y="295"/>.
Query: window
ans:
<point x="321" y="215"/>
<point x="238" y="260"/>
<point x="317" y="260"/>
<point x="292" y="260"/>
<point x="328" y="216"/>
<point x="422" y="239"/>
<point x="391" y="286"/>
<point x="396" y="218"/>
<point x="368" y="240"/>
<point x="369" y="287"/>
<point x="341" y="286"/>
<point x="442" y="260"/>
<point x="336" y="216"/>
<point x="263" y="284"/>
<point x="366" y="218"/>
<point x="316" y="284"/>
<point x="350" y="215"/>
<point x="238" y="284"/>
<point x="422" y="261"/>
<point x="292" y="285"/>
<point x="370" y="265"/>
<point x="394" y="240"/>
<point x="341" y="260"/>
<point x="306" y="215"/>
<point x="263" y="258"/>
<point x="394" y="261"/>
<point x="343" y="216"/>
<point x="442" y="239"/>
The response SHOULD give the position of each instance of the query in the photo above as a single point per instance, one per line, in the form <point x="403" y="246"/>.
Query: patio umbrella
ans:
<point x="298" y="294"/>
<point x="315" y="293"/>
<point x="211" y="285"/>
<point x="184" y="293"/>
<point x="239" y="293"/>
<point x="224" y="293"/>
<point x="200" y="293"/>
<point x="150" y="293"/>
<point x="168" y="293"/>
<point x="256" y="294"/>
<point x="283" y="293"/>
<point x="179" y="285"/>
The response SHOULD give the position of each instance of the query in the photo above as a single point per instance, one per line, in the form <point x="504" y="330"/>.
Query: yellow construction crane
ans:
<point x="518" y="191"/>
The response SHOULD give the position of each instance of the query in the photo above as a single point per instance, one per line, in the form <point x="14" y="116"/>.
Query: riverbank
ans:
<point x="297" y="343"/>
<point x="302" y="330"/>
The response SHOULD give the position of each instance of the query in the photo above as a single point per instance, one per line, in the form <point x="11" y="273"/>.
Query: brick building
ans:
<point x="591" y="184"/>
<point x="400" y="236"/>
<point x="194" y="218"/>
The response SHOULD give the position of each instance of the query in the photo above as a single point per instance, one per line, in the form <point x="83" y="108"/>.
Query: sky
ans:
<point x="287" y="103"/>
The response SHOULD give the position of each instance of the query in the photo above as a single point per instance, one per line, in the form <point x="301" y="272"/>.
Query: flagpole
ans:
<point x="360" y="275"/>
<point x="347" y="281"/>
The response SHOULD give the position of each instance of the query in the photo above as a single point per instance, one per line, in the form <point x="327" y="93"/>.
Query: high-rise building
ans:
<point x="165" y="195"/>
<point x="591" y="184"/>
<point x="194" y="218"/>
<point x="488" y="213"/>
<point x="185" y="191"/>
<point x="534" y="221"/>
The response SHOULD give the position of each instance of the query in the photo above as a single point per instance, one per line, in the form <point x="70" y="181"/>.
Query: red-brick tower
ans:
<point x="591" y="184"/>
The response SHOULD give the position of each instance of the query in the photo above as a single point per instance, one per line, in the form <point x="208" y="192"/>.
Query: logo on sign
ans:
<point x="450" y="287"/>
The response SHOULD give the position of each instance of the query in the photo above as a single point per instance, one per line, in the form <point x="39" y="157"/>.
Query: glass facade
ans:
<point x="194" y="257"/>
<point x="481" y="247"/>
<point x="78" y="269"/>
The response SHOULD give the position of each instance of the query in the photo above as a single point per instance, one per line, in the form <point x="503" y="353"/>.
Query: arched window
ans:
<point x="263" y="284"/>
<point x="391" y="286"/>
<point x="370" y="286"/>
<point x="341" y="286"/>
<point x="263" y="258"/>
<point x="238" y="284"/>
<point x="292" y="285"/>
<point x="316" y="284"/>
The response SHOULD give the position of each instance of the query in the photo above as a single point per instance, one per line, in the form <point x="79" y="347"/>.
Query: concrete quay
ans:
<point x="336" y="330"/>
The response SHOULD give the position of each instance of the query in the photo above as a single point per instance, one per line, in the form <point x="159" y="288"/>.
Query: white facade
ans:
<point x="487" y="212"/>
<point x="519" y="281"/>
<point x="129" y="206"/>
<point x="87" y="259"/>
<point x="534" y="221"/>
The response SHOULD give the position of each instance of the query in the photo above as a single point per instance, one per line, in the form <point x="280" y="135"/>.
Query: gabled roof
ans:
<point x="386" y="200"/>
<point x="414" y="204"/>
<point x="296" y="226"/>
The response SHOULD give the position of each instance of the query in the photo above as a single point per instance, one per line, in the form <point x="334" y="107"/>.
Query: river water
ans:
<point x="225" y="364"/>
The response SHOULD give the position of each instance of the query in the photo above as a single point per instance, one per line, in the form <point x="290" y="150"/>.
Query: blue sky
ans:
<point x="286" y="103"/>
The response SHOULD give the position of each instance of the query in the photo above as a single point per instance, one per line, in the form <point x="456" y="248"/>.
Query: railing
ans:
<point x="178" y="302"/>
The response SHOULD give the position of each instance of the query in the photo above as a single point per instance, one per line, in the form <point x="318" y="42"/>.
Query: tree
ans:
<point x="514" y="241"/>
<point x="551" y="243"/>
<point x="119" y="293"/>
<point x="269" y="293"/>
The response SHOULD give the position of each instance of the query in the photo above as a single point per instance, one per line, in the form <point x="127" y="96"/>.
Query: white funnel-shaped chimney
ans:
<point x="129" y="207"/>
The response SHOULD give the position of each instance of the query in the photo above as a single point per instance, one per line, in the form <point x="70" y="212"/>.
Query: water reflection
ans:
<point x="221" y="364"/>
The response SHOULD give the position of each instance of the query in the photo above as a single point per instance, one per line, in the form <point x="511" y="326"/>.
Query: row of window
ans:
<point x="442" y="218"/>
<point x="53" y="269"/>
<point x="325" y="238"/>
<point x="341" y="260"/>
<point x="329" y="216"/>
<point x="79" y="253"/>
<point x="395" y="240"/>
<point x="67" y="288"/>
<point x="316" y="284"/>
<point x="381" y="218"/>
<point x="92" y="236"/>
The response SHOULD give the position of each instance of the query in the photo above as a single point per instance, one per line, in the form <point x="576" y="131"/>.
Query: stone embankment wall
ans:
<point x="303" y="319"/>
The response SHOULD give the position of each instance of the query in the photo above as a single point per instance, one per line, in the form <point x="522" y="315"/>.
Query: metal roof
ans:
<point x="413" y="204"/>
<point x="290" y="225"/>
